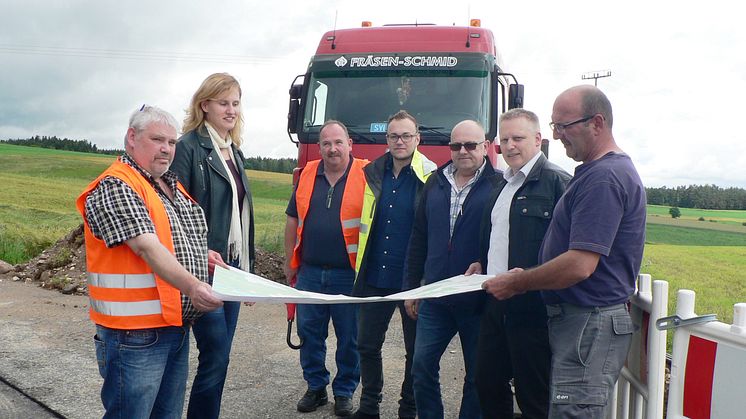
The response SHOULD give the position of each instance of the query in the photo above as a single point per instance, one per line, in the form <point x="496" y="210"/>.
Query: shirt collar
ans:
<point x="320" y="169"/>
<point x="451" y="169"/>
<point x="389" y="166"/>
<point x="508" y="174"/>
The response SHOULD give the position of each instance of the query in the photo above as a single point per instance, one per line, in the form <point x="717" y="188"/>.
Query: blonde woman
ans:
<point x="210" y="164"/>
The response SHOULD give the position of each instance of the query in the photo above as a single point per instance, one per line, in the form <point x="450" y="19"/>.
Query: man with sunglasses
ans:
<point x="442" y="245"/>
<point x="590" y="258"/>
<point x="394" y="183"/>
<point x="513" y="340"/>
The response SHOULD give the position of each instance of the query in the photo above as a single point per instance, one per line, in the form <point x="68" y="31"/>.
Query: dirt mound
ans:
<point x="62" y="266"/>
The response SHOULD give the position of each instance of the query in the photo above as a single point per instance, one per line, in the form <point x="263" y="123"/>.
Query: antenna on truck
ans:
<point x="468" y="28"/>
<point x="334" y="32"/>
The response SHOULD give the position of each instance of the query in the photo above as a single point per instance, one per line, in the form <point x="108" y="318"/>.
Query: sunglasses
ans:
<point x="469" y="146"/>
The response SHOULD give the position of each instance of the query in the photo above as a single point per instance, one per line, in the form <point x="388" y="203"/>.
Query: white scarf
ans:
<point x="238" y="238"/>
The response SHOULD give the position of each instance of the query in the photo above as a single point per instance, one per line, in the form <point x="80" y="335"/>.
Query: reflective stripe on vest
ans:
<point x="111" y="292"/>
<point x="352" y="201"/>
<point x="121" y="280"/>
<point x="351" y="223"/>
<point x="115" y="308"/>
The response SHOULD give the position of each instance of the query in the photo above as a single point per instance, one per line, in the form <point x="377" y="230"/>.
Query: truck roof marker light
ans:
<point x="366" y="24"/>
<point x="475" y="23"/>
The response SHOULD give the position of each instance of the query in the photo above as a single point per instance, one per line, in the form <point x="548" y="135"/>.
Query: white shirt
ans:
<point x="497" y="255"/>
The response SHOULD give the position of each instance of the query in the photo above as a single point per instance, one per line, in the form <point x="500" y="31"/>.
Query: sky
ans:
<point x="77" y="69"/>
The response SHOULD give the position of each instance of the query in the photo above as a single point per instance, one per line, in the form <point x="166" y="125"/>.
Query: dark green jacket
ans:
<point x="200" y="171"/>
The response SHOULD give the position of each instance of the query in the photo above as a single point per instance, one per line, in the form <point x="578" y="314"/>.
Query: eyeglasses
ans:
<point x="469" y="146"/>
<point x="560" y="128"/>
<point x="406" y="137"/>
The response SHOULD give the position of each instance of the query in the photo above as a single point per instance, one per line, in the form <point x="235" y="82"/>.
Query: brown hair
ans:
<point x="402" y="114"/>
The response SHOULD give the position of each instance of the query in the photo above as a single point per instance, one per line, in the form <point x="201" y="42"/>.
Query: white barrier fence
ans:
<point x="708" y="361"/>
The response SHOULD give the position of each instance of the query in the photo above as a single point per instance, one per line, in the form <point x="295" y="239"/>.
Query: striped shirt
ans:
<point x="116" y="213"/>
<point x="458" y="195"/>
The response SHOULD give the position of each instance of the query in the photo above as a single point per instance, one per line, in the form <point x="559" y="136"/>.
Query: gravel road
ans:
<point x="46" y="351"/>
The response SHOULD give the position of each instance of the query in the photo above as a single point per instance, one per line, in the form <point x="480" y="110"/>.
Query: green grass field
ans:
<point x="708" y="257"/>
<point x="40" y="186"/>
<point x="37" y="200"/>
<point x="693" y="214"/>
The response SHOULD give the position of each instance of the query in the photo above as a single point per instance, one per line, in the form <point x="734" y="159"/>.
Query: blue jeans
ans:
<point x="313" y="327"/>
<point x="437" y="324"/>
<point x="213" y="333"/>
<point x="144" y="371"/>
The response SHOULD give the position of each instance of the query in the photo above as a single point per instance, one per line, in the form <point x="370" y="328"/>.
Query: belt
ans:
<point x="554" y="310"/>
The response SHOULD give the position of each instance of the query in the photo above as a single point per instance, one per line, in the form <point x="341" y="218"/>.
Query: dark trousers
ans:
<point x="521" y="353"/>
<point x="373" y="322"/>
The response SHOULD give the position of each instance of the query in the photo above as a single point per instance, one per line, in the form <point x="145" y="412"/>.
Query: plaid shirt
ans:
<point x="116" y="213"/>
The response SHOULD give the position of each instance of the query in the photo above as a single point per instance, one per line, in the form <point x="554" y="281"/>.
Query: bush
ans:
<point x="675" y="212"/>
<point x="701" y="219"/>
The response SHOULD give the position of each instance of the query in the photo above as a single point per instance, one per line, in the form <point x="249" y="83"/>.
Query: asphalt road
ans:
<point x="46" y="351"/>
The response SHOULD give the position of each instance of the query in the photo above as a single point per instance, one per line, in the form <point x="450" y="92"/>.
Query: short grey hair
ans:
<point x="146" y="115"/>
<point x="516" y="113"/>
<point x="594" y="101"/>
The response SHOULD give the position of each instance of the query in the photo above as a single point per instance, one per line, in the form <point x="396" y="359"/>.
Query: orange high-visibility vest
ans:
<point x="123" y="290"/>
<point x="349" y="214"/>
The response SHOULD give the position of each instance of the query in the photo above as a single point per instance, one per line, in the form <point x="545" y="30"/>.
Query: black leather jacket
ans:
<point x="530" y="214"/>
<point x="204" y="177"/>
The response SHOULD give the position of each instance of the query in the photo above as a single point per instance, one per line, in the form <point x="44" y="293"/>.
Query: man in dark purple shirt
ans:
<point x="590" y="258"/>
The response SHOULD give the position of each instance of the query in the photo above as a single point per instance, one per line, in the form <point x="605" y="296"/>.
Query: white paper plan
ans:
<point x="236" y="285"/>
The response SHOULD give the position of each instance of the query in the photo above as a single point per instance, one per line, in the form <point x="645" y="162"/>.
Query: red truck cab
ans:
<point x="439" y="74"/>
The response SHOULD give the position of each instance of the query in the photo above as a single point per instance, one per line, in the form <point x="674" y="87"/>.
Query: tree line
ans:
<point x="267" y="164"/>
<point x="56" y="143"/>
<point x="691" y="196"/>
<point x="698" y="196"/>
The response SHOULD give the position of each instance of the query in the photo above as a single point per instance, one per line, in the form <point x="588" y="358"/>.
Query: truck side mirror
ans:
<point x="295" y="91"/>
<point x="515" y="96"/>
<point x="293" y="116"/>
<point x="295" y="94"/>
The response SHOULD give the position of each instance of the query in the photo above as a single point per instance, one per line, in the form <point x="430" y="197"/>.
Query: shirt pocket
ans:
<point x="535" y="213"/>
<point x="192" y="218"/>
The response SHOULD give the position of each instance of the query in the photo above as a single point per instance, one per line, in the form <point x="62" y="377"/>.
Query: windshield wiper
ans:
<point x="359" y="135"/>
<point x="445" y="137"/>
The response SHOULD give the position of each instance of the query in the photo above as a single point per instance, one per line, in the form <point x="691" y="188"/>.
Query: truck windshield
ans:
<point x="364" y="99"/>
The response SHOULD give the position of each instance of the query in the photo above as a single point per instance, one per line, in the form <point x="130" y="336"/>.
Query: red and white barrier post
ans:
<point x="708" y="367"/>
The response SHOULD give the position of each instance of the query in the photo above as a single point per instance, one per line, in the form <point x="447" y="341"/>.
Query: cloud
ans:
<point x="77" y="69"/>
